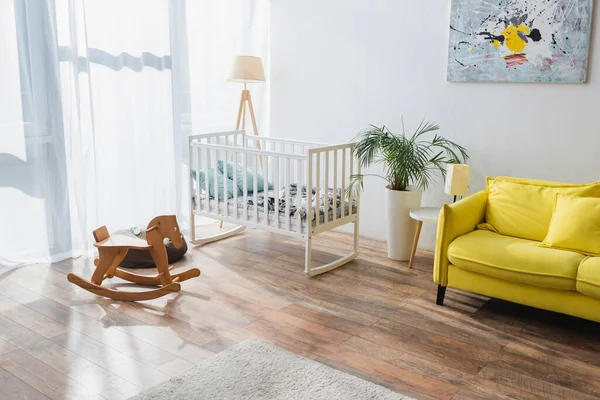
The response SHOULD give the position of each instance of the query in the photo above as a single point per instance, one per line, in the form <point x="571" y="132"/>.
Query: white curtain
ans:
<point x="97" y="99"/>
<point x="218" y="30"/>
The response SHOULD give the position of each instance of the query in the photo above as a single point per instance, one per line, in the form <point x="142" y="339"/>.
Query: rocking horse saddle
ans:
<point x="140" y="257"/>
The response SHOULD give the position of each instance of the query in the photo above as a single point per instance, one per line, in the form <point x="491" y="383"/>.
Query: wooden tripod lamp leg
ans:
<point x="253" y="119"/>
<point x="240" y="112"/>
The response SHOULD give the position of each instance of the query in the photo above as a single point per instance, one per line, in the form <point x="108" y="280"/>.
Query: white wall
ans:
<point x="337" y="65"/>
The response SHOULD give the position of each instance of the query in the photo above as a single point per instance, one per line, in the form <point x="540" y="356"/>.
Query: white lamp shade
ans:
<point x="457" y="179"/>
<point x="247" y="69"/>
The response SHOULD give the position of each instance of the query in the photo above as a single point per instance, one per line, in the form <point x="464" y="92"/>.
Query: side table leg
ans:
<point x="415" y="242"/>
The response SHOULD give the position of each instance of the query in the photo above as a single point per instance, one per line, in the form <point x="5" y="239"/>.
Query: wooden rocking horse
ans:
<point x="113" y="249"/>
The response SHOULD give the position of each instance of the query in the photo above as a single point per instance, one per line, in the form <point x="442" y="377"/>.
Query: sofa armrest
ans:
<point x="455" y="220"/>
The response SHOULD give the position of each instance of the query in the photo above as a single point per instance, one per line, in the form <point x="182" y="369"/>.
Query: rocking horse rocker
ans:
<point x="113" y="249"/>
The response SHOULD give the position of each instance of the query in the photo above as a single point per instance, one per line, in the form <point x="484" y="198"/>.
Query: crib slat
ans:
<point x="358" y="171"/>
<point x="245" y="179"/>
<point x="266" y="176"/>
<point x="300" y="172"/>
<point x="215" y="183"/>
<point x="198" y="187"/>
<point x="326" y="188"/>
<point x="206" y="179"/>
<point x="225" y="186"/>
<point x="299" y="184"/>
<point x="343" y="183"/>
<point x="318" y="191"/>
<point x="309" y="208"/>
<point x="235" y="183"/>
<point x="351" y="192"/>
<point x="276" y="188"/>
<point x="255" y="191"/>
<point x="287" y="193"/>
<point x="335" y="183"/>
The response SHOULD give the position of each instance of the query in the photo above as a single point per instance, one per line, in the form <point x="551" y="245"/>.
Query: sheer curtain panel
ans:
<point x="97" y="100"/>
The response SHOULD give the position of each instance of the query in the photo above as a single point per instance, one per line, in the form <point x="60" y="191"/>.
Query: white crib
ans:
<point x="283" y="163"/>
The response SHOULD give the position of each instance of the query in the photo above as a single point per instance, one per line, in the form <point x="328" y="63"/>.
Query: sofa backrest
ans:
<point x="523" y="207"/>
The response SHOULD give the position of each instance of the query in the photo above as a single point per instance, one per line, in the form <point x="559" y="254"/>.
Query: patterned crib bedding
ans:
<point x="297" y="200"/>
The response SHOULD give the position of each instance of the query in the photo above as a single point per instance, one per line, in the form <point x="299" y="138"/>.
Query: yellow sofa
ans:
<point x="488" y="243"/>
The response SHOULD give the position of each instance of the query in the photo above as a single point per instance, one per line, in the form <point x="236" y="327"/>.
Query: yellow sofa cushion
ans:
<point x="588" y="277"/>
<point x="523" y="207"/>
<point x="514" y="259"/>
<point x="575" y="225"/>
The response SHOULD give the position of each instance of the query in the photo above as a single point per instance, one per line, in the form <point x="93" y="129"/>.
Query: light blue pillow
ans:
<point x="260" y="180"/>
<point x="211" y="183"/>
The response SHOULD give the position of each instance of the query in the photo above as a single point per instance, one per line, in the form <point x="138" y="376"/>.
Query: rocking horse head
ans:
<point x="167" y="227"/>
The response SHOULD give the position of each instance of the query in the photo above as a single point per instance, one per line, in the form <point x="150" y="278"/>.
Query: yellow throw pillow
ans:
<point x="575" y="225"/>
<point x="523" y="207"/>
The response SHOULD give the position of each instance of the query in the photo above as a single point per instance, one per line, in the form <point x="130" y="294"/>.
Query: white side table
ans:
<point x="423" y="214"/>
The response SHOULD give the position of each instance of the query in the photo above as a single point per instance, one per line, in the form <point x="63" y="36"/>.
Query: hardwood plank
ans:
<point x="404" y="376"/>
<point x="559" y="360"/>
<point x="270" y="336"/>
<point x="285" y="320"/>
<point x="564" y="377"/>
<point x="112" y="360"/>
<point x="438" y="370"/>
<point x="322" y="316"/>
<point x="17" y="335"/>
<point x="33" y="320"/>
<point x="13" y="388"/>
<point x="220" y="344"/>
<point x="430" y="321"/>
<point x="464" y="394"/>
<point x="367" y="275"/>
<point x="582" y="344"/>
<point x="96" y="379"/>
<point x="294" y="336"/>
<point x="6" y="347"/>
<point x="122" y="392"/>
<point x="497" y="372"/>
<point x="385" y="381"/>
<point x="175" y="367"/>
<point x="438" y="341"/>
<point x="43" y="378"/>
<point x="161" y="318"/>
<point x="169" y="342"/>
<point x="441" y="355"/>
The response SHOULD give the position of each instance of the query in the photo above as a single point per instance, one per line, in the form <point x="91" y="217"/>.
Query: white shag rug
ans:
<point x="255" y="370"/>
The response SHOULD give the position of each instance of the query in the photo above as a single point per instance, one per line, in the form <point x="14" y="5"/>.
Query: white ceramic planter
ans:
<point x="400" y="226"/>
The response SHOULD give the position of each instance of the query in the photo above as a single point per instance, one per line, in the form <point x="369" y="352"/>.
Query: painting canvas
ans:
<point x="519" y="40"/>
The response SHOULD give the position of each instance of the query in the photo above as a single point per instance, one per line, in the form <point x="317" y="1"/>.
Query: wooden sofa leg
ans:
<point x="440" y="295"/>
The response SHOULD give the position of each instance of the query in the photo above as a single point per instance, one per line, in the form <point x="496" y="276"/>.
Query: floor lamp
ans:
<point x="247" y="69"/>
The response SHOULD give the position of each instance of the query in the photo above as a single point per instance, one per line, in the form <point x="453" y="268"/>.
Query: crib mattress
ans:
<point x="297" y="205"/>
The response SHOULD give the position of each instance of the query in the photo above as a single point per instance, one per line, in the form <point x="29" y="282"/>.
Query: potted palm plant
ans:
<point x="410" y="165"/>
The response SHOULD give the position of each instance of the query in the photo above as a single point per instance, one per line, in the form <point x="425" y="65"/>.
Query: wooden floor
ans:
<point x="374" y="318"/>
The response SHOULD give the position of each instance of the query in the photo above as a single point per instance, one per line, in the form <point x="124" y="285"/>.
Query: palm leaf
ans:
<point x="407" y="160"/>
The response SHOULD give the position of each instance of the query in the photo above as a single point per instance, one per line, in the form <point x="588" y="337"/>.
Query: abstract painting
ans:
<point x="519" y="40"/>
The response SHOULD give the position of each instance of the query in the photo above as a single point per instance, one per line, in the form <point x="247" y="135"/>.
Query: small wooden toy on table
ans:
<point x="113" y="249"/>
